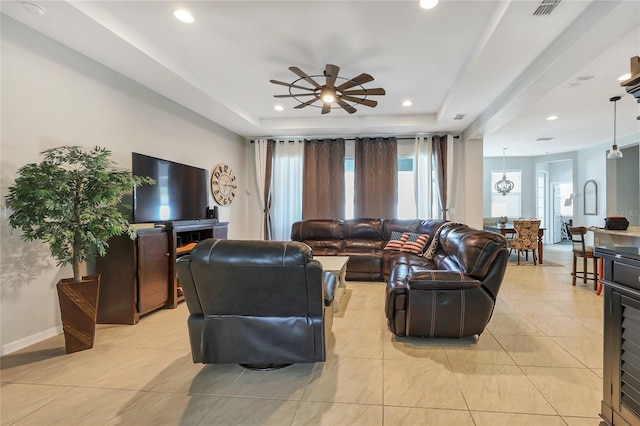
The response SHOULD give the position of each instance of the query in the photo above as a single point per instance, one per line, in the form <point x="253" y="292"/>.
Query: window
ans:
<point x="286" y="189"/>
<point x="406" y="208"/>
<point x="507" y="205"/>
<point x="349" y="164"/>
<point x="540" y="198"/>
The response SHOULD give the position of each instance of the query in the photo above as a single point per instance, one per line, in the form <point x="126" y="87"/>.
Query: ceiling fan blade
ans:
<point x="331" y="72"/>
<point x="365" y="92"/>
<point x="297" y="71"/>
<point x="326" y="108"/>
<point x="356" y="81"/>
<point x="346" y="106"/>
<point x="317" y="98"/>
<point x="367" y="102"/>
<point x="282" y="83"/>
<point x="295" y="96"/>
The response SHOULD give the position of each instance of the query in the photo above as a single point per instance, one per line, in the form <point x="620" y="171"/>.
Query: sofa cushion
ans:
<point x="369" y="229"/>
<point x="389" y="226"/>
<point x="317" y="229"/>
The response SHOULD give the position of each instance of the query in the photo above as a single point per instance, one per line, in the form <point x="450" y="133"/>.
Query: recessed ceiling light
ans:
<point x="183" y="15"/>
<point x="624" y="77"/>
<point x="407" y="103"/>
<point x="552" y="117"/>
<point x="428" y="4"/>
<point x="33" y="8"/>
<point x="278" y="108"/>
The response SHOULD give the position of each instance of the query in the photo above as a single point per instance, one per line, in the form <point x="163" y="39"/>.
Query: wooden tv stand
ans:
<point x="182" y="238"/>
<point x="139" y="276"/>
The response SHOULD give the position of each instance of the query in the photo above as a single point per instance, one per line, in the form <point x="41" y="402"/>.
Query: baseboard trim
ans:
<point x="29" y="340"/>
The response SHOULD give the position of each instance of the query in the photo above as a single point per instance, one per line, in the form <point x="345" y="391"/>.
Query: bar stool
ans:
<point x="585" y="252"/>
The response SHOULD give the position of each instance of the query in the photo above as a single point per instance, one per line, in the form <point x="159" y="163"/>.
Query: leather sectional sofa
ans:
<point x="363" y="240"/>
<point x="449" y="292"/>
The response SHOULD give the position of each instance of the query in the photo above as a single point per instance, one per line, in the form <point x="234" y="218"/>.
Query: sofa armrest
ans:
<point x="441" y="280"/>
<point x="328" y="287"/>
<point x="396" y="297"/>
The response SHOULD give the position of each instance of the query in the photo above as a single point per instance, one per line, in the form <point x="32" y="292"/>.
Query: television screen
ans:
<point x="180" y="192"/>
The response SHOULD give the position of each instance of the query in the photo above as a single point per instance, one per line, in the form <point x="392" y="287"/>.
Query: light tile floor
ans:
<point x="539" y="362"/>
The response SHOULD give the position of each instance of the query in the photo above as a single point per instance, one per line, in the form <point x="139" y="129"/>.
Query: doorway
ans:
<point x="562" y="210"/>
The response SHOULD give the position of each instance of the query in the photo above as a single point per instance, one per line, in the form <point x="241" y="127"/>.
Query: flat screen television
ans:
<point x="180" y="192"/>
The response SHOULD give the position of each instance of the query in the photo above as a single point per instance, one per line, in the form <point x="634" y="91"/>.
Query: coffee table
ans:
<point x="337" y="265"/>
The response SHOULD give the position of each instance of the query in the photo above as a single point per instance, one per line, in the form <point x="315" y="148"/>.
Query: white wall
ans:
<point x="53" y="96"/>
<point x="592" y="166"/>
<point x="622" y="187"/>
<point x="468" y="194"/>
<point x="524" y="164"/>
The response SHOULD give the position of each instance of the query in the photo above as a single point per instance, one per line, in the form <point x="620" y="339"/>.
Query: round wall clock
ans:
<point x="223" y="184"/>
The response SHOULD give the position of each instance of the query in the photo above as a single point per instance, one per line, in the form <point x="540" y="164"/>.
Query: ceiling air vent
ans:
<point x="578" y="81"/>
<point x="546" y="7"/>
<point x="458" y="117"/>
<point x="543" y="139"/>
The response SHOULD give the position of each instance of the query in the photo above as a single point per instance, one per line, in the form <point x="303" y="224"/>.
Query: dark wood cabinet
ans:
<point x="134" y="277"/>
<point x="139" y="276"/>
<point x="153" y="271"/>
<point x="621" y="358"/>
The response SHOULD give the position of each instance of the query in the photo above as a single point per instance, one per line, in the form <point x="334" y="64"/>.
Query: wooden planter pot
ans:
<point x="78" y="309"/>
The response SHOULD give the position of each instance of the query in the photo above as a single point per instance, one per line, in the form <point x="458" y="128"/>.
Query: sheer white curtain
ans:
<point x="422" y="174"/>
<point x="260" y="149"/>
<point x="286" y="189"/>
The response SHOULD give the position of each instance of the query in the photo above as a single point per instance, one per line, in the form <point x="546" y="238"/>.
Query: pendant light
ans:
<point x="504" y="185"/>
<point x="614" y="153"/>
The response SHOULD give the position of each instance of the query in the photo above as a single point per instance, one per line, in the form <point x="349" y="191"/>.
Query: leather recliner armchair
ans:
<point x="256" y="303"/>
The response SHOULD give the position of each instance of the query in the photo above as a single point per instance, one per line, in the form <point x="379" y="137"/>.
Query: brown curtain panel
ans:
<point x="323" y="187"/>
<point x="376" y="177"/>
<point x="267" y="189"/>
<point x="440" y="161"/>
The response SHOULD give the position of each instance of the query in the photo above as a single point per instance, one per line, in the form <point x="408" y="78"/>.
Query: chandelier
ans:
<point x="504" y="185"/>
<point x="615" y="153"/>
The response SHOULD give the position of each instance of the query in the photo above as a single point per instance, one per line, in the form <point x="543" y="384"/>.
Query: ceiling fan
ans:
<point x="348" y="90"/>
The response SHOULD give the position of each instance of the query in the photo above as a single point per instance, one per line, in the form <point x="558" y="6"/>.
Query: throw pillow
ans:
<point x="397" y="240"/>
<point x="415" y="243"/>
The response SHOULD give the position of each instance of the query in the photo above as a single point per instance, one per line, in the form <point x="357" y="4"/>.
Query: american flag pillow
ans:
<point x="415" y="243"/>
<point x="397" y="240"/>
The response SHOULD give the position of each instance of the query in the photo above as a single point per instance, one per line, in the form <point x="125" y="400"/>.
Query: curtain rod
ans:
<point x="400" y="138"/>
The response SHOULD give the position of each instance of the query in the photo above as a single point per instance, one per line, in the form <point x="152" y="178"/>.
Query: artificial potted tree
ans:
<point x="72" y="202"/>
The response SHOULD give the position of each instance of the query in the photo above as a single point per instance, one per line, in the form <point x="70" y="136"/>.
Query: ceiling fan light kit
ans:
<point x="348" y="92"/>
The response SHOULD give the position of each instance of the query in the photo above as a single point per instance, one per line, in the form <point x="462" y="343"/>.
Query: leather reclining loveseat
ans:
<point x="448" y="291"/>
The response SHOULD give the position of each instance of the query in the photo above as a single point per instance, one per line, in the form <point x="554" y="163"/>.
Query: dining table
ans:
<point x="508" y="229"/>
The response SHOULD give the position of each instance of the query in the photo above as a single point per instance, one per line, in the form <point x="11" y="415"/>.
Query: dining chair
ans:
<point x="580" y="249"/>
<point x="526" y="238"/>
